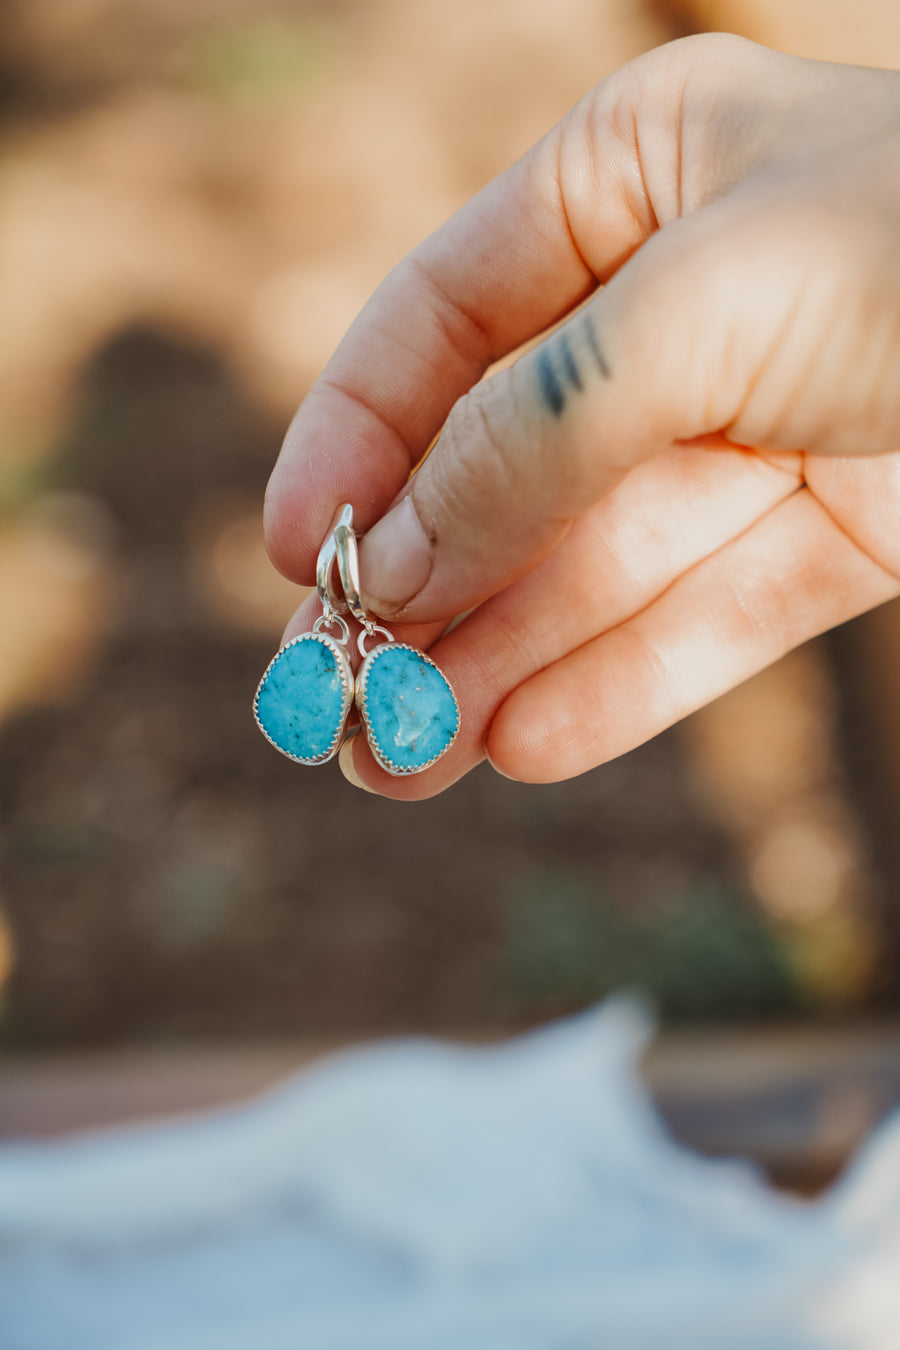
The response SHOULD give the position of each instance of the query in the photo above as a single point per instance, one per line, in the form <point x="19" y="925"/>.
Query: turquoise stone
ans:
<point x="303" y="698"/>
<point x="408" y="708"/>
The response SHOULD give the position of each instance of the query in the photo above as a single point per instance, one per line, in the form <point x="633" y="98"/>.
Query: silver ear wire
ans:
<point x="340" y="546"/>
<point x="348" y="568"/>
<point x="332" y="603"/>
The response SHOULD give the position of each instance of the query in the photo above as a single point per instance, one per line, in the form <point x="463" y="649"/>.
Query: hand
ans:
<point x="696" y="471"/>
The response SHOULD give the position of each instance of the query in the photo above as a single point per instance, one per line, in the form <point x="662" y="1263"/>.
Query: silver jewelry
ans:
<point x="407" y="707"/>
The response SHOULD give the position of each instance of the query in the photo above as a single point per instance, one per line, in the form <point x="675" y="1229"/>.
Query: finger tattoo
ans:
<point x="559" y="374"/>
<point x="596" y="349"/>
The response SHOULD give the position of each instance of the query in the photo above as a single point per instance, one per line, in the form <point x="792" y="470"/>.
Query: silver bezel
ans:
<point x="343" y="665"/>
<point x="362" y="679"/>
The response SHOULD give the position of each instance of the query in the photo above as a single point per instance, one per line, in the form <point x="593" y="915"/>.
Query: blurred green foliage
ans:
<point x="23" y="478"/>
<point x="193" y="900"/>
<point x="259" y="59"/>
<point x="699" y="954"/>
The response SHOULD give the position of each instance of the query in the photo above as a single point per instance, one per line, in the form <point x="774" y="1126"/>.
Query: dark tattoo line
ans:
<point x="551" y="389"/>
<point x="602" y="363"/>
<point x="558" y="370"/>
<point x="569" y="365"/>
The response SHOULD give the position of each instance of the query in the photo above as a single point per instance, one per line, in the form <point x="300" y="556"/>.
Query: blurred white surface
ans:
<point x="417" y="1194"/>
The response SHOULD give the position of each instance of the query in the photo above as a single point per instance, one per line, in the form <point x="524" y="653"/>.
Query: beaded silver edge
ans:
<point x="343" y="665"/>
<point x="362" y="679"/>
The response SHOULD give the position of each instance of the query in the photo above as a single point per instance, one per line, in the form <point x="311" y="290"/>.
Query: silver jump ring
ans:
<point x="369" y="631"/>
<point x="331" y="620"/>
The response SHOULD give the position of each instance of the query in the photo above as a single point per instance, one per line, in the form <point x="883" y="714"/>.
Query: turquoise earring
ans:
<point x="406" y="705"/>
<point x="306" y="691"/>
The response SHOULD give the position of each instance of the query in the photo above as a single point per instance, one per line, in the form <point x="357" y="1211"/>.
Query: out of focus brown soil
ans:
<point x="195" y="200"/>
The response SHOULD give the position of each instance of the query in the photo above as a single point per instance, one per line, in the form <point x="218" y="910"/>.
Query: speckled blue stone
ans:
<point x="410" y="712"/>
<point x="302" y="700"/>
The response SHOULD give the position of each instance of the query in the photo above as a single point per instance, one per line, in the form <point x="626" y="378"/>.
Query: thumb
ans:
<point x="672" y="348"/>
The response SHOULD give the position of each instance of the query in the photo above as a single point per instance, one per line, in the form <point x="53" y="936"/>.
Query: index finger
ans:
<point x="505" y="267"/>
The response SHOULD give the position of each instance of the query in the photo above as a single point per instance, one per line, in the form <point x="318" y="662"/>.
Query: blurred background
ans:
<point x="195" y="200"/>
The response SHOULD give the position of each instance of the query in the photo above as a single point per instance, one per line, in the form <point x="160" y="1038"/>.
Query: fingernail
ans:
<point x="348" y="768"/>
<point x="395" y="559"/>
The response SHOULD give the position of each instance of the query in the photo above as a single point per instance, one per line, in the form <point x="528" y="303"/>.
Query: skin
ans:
<point x="696" y="470"/>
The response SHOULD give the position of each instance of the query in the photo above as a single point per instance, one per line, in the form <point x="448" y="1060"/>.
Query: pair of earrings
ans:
<point x="406" y="705"/>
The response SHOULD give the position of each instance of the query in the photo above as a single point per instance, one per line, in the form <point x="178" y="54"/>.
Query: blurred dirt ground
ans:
<point x="194" y="202"/>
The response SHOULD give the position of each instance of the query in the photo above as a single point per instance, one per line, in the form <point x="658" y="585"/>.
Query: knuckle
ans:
<point x="478" y="457"/>
<point x="761" y="610"/>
